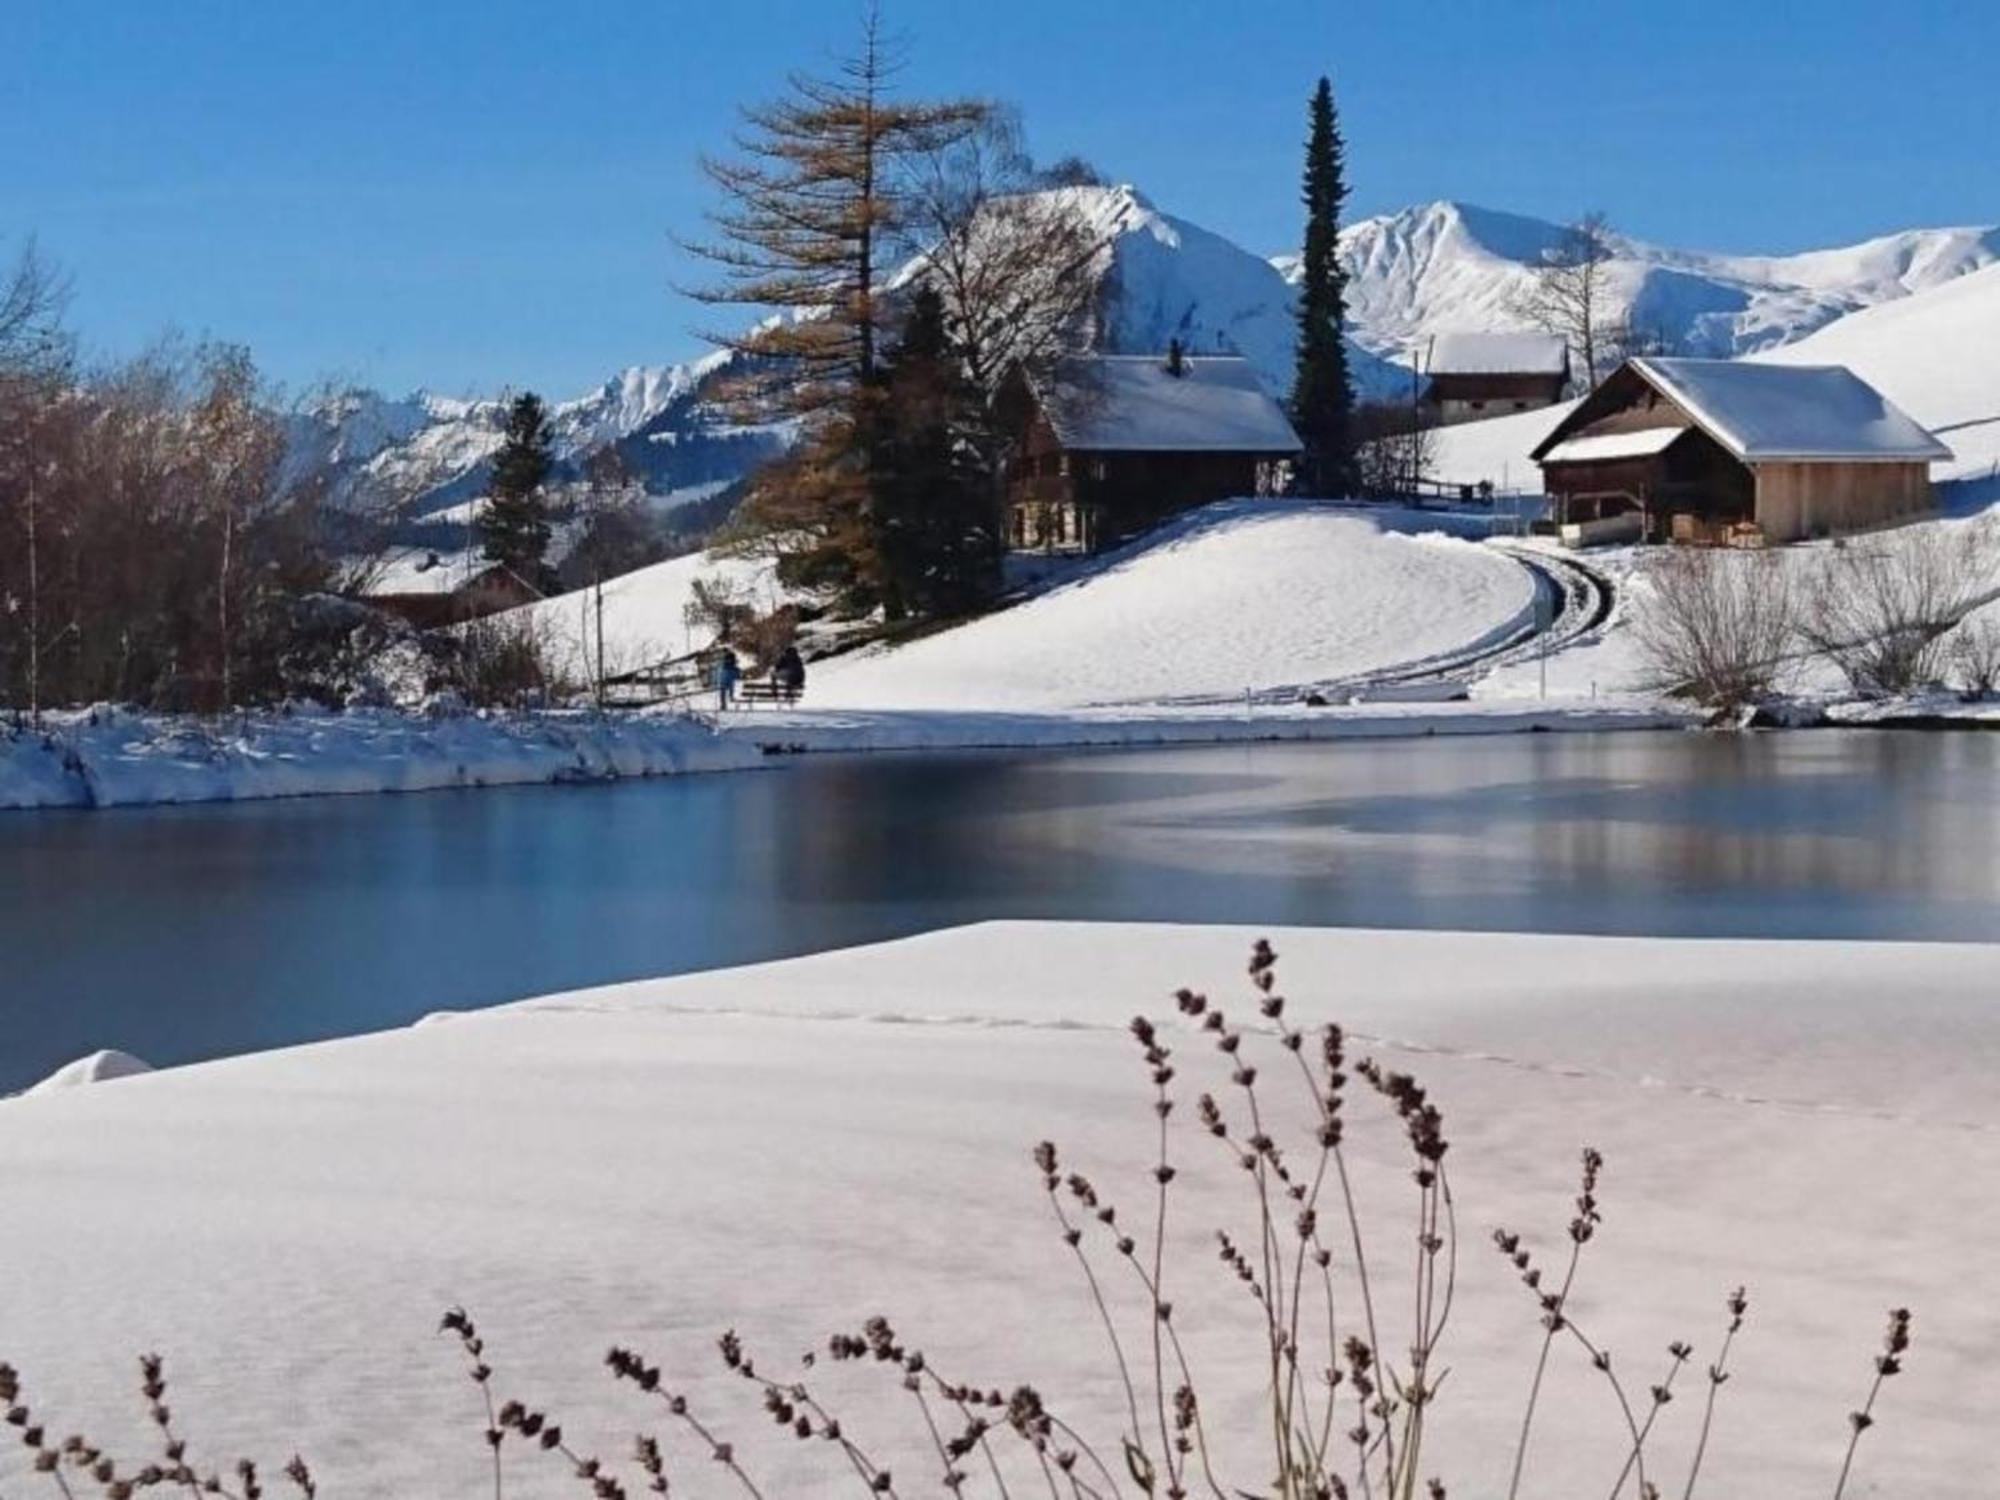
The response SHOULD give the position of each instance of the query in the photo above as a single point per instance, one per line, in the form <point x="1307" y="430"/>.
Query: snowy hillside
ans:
<point x="1232" y="597"/>
<point x="1451" y="266"/>
<point x="1936" y="354"/>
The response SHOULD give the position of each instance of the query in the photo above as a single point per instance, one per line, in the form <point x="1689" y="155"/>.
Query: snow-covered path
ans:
<point x="789" y="1148"/>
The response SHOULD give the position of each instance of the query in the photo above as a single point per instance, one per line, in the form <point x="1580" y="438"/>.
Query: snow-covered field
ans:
<point x="1242" y="596"/>
<point x="107" y="757"/>
<point x="789" y="1149"/>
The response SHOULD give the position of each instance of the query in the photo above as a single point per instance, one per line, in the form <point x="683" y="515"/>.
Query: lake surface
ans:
<point x="184" y="933"/>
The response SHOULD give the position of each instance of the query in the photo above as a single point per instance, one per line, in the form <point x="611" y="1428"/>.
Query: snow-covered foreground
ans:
<point x="1240" y="596"/>
<point x="107" y="757"/>
<point x="790" y="1148"/>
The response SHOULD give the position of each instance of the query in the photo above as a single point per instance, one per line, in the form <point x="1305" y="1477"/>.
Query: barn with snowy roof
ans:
<point x="1721" y="450"/>
<point x="1106" y="445"/>
<point x="1472" y="376"/>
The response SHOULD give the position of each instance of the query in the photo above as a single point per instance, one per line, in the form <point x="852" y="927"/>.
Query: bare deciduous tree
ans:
<point x="1719" y="626"/>
<point x="34" y="294"/>
<point x="1012" y="259"/>
<point x="1570" y="295"/>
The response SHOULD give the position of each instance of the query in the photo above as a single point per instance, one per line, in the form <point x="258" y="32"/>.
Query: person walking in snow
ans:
<point x="788" y="674"/>
<point x="727" y="674"/>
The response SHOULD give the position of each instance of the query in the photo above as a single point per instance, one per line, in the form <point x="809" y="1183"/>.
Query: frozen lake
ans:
<point x="183" y="933"/>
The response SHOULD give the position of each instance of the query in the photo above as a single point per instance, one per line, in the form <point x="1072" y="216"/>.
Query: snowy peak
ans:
<point x="1451" y="266"/>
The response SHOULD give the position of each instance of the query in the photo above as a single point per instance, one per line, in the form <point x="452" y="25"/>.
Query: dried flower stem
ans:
<point x="1738" y="1305"/>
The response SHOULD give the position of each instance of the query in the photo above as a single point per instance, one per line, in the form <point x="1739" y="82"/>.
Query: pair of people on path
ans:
<point x="788" y="676"/>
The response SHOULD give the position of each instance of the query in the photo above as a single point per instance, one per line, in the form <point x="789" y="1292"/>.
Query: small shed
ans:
<point x="1472" y="376"/>
<point x="1718" y="450"/>
<point x="1108" y="444"/>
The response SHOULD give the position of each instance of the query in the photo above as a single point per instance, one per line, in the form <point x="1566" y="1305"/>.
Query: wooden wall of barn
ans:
<point x="1795" y="501"/>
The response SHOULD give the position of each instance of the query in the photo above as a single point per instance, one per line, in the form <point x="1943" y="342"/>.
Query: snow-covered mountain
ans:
<point x="1453" y="267"/>
<point x="1166" y="278"/>
<point x="1439" y="267"/>
<point x="424" y="453"/>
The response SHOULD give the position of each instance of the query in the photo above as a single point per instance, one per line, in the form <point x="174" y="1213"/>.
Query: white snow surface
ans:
<point x="111" y="757"/>
<point x="1134" y="403"/>
<point x="791" y="1148"/>
<point x="1243" y="595"/>
<point x="1495" y="354"/>
<point x="1641" y="444"/>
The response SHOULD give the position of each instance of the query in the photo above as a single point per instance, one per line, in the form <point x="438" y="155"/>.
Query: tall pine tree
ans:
<point x="940" y="528"/>
<point x="1322" y="393"/>
<point x="514" y="526"/>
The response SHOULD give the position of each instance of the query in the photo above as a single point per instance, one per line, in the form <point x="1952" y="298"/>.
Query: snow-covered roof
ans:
<point x="1764" y="413"/>
<point x="1124" y="403"/>
<point x="1608" y="445"/>
<point x="1497" y="354"/>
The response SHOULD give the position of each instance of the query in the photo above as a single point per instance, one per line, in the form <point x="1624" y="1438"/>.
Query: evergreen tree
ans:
<point x="814" y="203"/>
<point x="514" y="527"/>
<point x="1322" y="393"/>
<point x="940" y="532"/>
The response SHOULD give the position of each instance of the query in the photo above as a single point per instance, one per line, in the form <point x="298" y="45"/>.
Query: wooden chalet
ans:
<point x="430" y="591"/>
<point x="1728" y="450"/>
<point x="1109" y="444"/>
<point x="1472" y="376"/>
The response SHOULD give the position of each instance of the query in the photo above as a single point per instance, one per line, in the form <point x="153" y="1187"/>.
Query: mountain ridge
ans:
<point x="1433" y="267"/>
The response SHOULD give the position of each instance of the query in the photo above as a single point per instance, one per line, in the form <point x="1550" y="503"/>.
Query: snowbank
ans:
<point x="791" y="1148"/>
<point x="100" y="1067"/>
<point x="1240" y="596"/>
<point x="1394" y="712"/>
<point x="107" y="757"/>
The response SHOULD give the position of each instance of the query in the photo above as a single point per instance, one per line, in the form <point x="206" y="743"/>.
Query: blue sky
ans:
<point x="465" y="195"/>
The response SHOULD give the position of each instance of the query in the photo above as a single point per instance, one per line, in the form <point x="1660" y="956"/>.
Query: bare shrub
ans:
<point x="507" y="660"/>
<point x="1882" y="606"/>
<point x="1717" y="626"/>
<point x="1975" y="657"/>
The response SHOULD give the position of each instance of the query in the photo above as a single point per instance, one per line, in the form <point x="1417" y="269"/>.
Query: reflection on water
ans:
<point x="184" y="933"/>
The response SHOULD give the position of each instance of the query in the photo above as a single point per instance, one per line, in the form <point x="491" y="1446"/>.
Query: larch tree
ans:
<point x="1322" y="389"/>
<point x="815" y="206"/>
<point x="514" y="527"/>
<point x="1570" y="295"/>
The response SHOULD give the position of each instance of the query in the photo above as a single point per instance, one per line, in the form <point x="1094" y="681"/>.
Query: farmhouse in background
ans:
<point x="1108" y="444"/>
<point x="1726" y="450"/>
<point x="1472" y="376"/>
<point x="430" y="591"/>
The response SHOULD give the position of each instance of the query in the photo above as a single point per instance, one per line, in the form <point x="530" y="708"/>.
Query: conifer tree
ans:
<point x="940" y="529"/>
<point x="814" y="203"/>
<point x="514" y="527"/>
<point x="1322" y="392"/>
